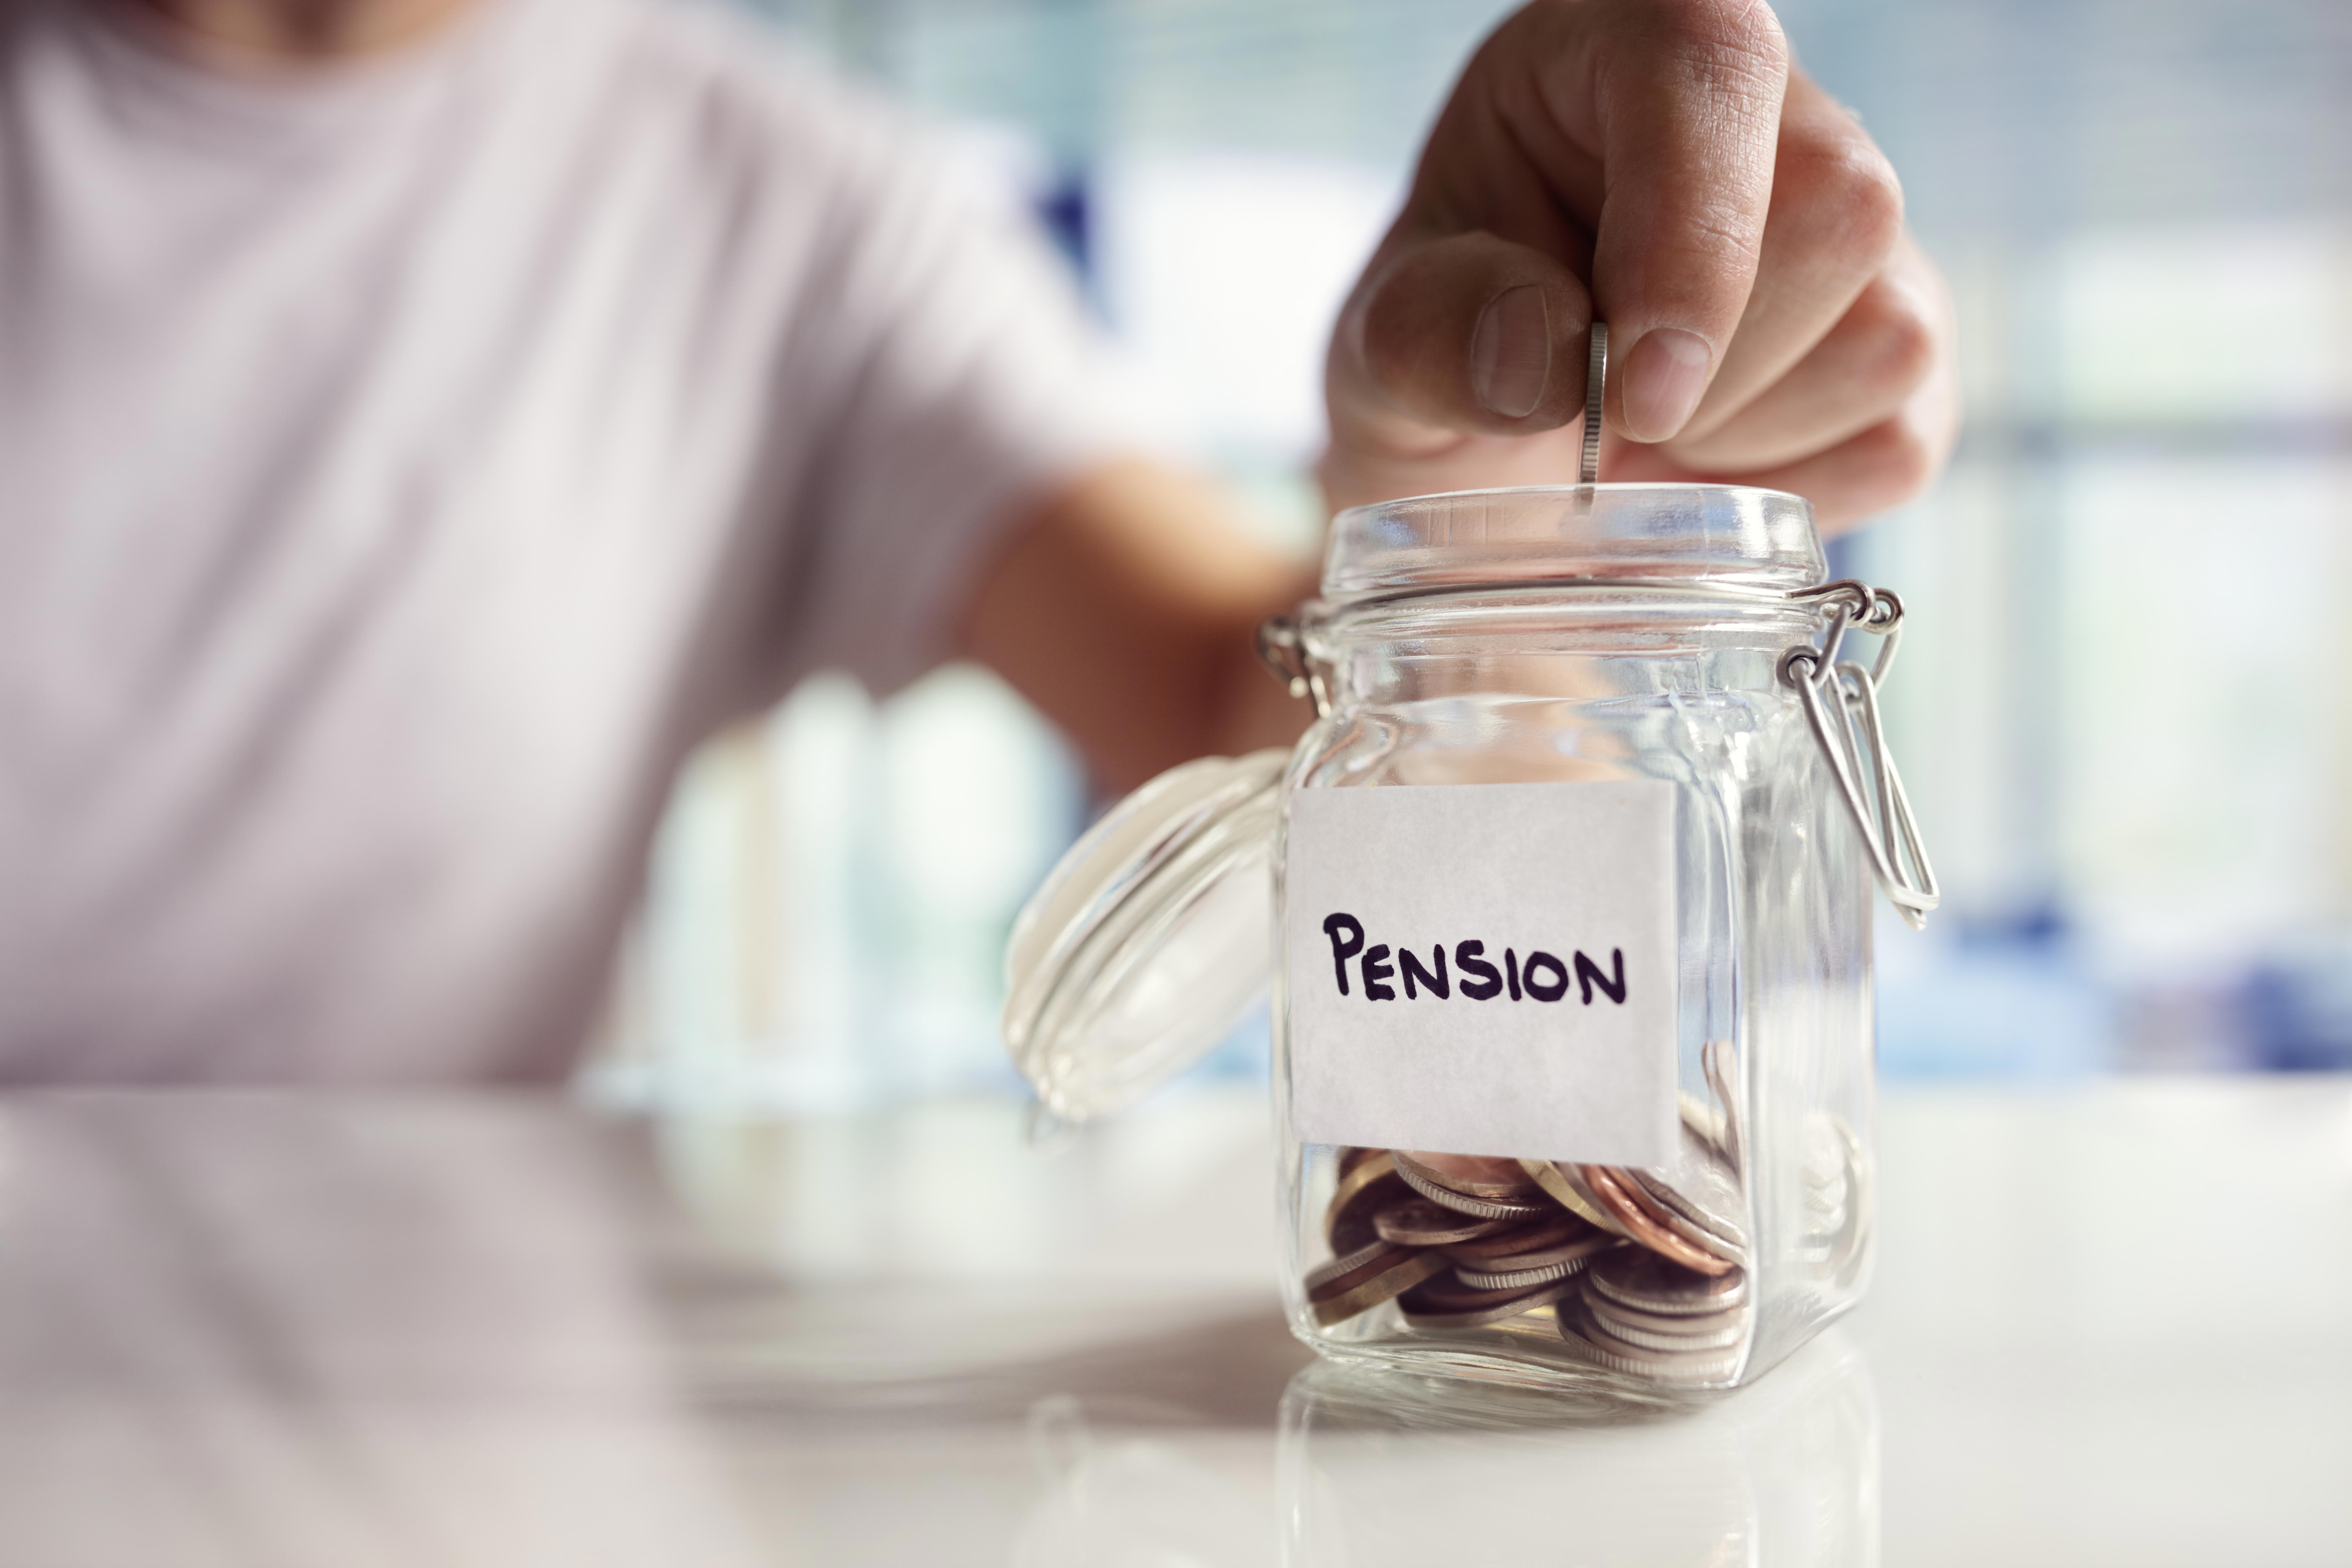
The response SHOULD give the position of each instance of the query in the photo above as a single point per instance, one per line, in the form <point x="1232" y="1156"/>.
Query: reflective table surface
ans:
<point x="2112" y="1323"/>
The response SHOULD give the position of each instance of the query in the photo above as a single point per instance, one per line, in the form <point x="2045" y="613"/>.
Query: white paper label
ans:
<point x="1483" y="969"/>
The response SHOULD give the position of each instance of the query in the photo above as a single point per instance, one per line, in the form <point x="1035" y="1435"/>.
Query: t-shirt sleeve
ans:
<point x="953" y="379"/>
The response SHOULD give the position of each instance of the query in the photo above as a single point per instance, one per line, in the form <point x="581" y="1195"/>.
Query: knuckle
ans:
<point x="1900" y="458"/>
<point x="1848" y="191"/>
<point x="1897" y="339"/>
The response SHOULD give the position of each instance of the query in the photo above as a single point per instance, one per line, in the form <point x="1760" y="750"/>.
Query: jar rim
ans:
<point x="1650" y="535"/>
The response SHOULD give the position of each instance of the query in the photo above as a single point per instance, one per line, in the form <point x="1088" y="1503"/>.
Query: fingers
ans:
<point x="1469" y="332"/>
<point x="1868" y="473"/>
<point x="1888" y="343"/>
<point x="1835" y="219"/>
<point x="1685" y="102"/>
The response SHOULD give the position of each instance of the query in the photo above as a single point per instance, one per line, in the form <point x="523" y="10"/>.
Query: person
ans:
<point x="422" y="421"/>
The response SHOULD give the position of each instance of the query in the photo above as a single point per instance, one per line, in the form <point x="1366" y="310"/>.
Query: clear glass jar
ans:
<point x="1592" y="750"/>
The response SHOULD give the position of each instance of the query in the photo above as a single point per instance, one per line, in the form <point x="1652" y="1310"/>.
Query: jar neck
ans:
<point x="1554" y="639"/>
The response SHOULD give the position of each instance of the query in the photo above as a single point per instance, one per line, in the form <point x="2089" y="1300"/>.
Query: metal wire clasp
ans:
<point x="1855" y="742"/>
<point x="1282" y="649"/>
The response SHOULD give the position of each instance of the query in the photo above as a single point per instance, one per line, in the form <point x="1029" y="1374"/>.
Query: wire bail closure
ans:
<point x="1841" y="702"/>
<point x="1854" y="741"/>
<point x="1282" y="649"/>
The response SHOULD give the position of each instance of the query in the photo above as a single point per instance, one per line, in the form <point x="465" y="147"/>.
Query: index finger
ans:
<point x="1680" y="106"/>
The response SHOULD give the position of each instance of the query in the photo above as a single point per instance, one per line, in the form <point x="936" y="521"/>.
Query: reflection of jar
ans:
<point x="1573" y="1042"/>
<point x="1375" y="1469"/>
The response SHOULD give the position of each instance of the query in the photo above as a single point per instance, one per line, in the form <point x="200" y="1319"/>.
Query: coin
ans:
<point x="1720" y="1062"/>
<point x="1568" y="1189"/>
<point x="1635" y="1221"/>
<point x="1496" y="1278"/>
<point x="1472" y="1175"/>
<point x="1721" y="1338"/>
<point x="1577" y="1328"/>
<point x="1589" y="1243"/>
<point x="1526" y="1235"/>
<point x="1649" y="1283"/>
<point x="1389" y="1275"/>
<point x="1336" y="1274"/>
<point x="1671" y="1210"/>
<point x="1351" y="1157"/>
<point x="1707" y="1122"/>
<point x="1596" y="377"/>
<point x="1700" y="1188"/>
<point x="1465" y="1203"/>
<point x="1417" y="1222"/>
<point x="1371" y="1186"/>
<point x="1696" y="1323"/>
<point x="1433" y="1306"/>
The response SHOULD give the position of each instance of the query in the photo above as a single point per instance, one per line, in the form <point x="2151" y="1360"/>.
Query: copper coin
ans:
<point x="1349" y="1158"/>
<point x="1648" y="1283"/>
<point x="1568" y="1189"/>
<point x="1417" y="1222"/>
<point x="1396" y="1271"/>
<point x="1472" y="1175"/>
<point x="1636" y="1222"/>
<point x="1433" y="1306"/>
<point x="1668" y="1208"/>
<point x="1532" y="1236"/>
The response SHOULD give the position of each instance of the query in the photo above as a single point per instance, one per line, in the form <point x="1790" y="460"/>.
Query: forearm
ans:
<point x="1125" y="607"/>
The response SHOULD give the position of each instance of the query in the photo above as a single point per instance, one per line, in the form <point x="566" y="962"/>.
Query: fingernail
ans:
<point x="1664" y="377"/>
<point x="1510" y="354"/>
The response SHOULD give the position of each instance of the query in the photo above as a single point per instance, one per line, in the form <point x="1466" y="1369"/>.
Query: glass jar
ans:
<point x="1570" y="915"/>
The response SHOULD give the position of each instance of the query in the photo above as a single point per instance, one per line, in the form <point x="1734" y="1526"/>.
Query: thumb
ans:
<point x="1468" y="332"/>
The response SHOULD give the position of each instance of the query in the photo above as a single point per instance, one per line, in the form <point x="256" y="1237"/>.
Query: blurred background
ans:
<point x="2123" y="708"/>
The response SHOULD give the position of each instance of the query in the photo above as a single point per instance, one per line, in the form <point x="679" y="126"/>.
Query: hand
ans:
<point x="1770" y="322"/>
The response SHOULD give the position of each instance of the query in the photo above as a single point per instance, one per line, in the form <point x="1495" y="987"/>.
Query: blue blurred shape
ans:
<point x="2003" y="998"/>
<point x="2298" y="1006"/>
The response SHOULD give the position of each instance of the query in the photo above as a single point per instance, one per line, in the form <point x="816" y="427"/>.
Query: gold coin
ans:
<point x="1397" y="1271"/>
<point x="1562" y="1183"/>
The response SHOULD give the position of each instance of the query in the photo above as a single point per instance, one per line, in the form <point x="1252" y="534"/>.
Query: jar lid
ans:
<point x="1721" y="536"/>
<point x="1150" y="941"/>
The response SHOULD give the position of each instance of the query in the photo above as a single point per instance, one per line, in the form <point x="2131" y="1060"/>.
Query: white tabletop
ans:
<point x="2110" y="1325"/>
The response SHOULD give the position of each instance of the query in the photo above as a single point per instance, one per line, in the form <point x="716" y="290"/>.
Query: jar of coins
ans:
<point x="1567" y="894"/>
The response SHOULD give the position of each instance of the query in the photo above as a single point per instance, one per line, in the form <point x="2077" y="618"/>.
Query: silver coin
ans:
<point x="1537" y="1247"/>
<point x="1519" y="1279"/>
<point x="1428" y="1308"/>
<point x="1417" y="1222"/>
<point x="1518" y="1239"/>
<point x="1463" y="1202"/>
<point x="1596" y="381"/>
<point x="1721" y="1337"/>
<point x="1616" y="1312"/>
<point x="1576" y="1326"/>
<point x="1472" y="1175"/>
<point x="1648" y="1283"/>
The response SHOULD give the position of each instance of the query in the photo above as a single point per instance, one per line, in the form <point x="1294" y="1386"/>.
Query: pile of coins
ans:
<point x="1642" y="1272"/>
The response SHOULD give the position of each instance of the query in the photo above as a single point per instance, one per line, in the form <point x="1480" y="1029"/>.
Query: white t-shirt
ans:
<point x="401" y="469"/>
